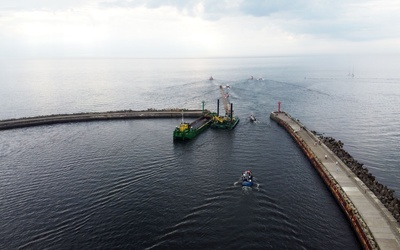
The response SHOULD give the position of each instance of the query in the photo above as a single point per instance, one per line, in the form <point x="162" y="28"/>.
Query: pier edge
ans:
<point x="97" y="116"/>
<point x="363" y="232"/>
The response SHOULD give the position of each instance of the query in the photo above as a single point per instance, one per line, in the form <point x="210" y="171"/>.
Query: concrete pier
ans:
<point x="374" y="225"/>
<point x="97" y="116"/>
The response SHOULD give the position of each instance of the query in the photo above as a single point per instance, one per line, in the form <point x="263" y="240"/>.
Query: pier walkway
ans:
<point x="373" y="223"/>
<point x="97" y="116"/>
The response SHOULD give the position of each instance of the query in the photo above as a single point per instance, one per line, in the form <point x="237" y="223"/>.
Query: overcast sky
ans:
<point x="197" y="28"/>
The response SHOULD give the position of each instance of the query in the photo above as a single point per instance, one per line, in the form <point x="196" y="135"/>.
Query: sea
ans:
<point x="125" y="184"/>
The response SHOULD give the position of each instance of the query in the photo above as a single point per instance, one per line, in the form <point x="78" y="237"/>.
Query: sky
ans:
<point x="197" y="28"/>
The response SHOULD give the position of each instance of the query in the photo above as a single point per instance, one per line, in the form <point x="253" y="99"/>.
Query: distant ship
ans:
<point x="352" y="73"/>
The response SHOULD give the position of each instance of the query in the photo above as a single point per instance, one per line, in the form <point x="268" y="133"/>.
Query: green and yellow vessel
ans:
<point x="188" y="131"/>
<point x="224" y="122"/>
<point x="228" y="121"/>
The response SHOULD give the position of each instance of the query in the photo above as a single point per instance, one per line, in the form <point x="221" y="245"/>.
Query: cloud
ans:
<point x="221" y="9"/>
<point x="51" y="5"/>
<point x="340" y="19"/>
<point x="267" y="8"/>
<point x="206" y="9"/>
<point x="141" y="28"/>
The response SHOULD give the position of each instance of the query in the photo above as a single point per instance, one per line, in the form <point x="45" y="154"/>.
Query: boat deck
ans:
<point x="200" y="122"/>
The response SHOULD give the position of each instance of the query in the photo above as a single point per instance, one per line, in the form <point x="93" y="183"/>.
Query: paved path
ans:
<point x="382" y="224"/>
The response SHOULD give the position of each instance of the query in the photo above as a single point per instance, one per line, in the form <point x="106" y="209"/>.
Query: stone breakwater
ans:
<point x="98" y="116"/>
<point x="383" y="193"/>
<point x="374" y="224"/>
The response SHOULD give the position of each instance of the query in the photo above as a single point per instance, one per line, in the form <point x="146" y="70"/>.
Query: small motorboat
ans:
<point x="252" y="118"/>
<point x="247" y="178"/>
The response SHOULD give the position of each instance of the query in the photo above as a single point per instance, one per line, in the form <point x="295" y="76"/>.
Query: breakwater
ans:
<point x="97" y="116"/>
<point x="382" y="192"/>
<point x="374" y="225"/>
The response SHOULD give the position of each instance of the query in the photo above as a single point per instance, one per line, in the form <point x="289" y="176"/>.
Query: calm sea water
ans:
<point x="126" y="184"/>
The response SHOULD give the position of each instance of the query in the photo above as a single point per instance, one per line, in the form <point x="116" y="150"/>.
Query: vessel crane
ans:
<point x="228" y="121"/>
<point x="225" y="100"/>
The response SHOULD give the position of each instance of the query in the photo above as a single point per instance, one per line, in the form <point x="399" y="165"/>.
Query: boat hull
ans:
<point x="194" y="129"/>
<point x="247" y="183"/>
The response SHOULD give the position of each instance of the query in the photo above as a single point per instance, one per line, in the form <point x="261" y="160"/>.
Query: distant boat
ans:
<point x="252" y="118"/>
<point x="351" y="74"/>
<point x="251" y="77"/>
<point x="211" y="78"/>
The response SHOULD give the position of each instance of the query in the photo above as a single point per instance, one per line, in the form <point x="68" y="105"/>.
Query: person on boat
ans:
<point x="246" y="178"/>
<point x="250" y="175"/>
